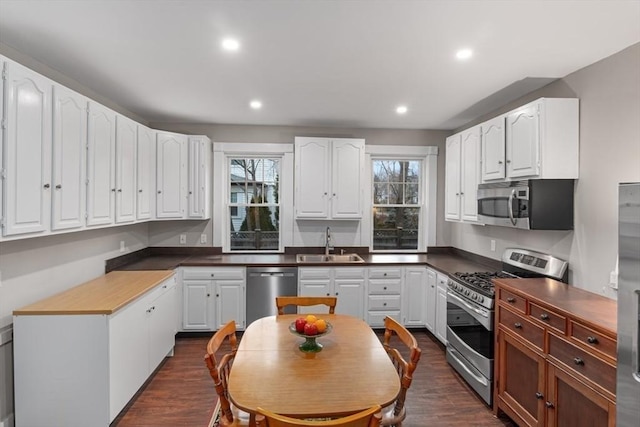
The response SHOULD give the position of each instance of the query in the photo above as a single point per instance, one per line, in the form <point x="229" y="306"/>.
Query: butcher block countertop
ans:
<point x="594" y="310"/>
<point x="104" y="295"/>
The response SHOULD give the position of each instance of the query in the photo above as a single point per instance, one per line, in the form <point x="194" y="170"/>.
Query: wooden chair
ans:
<point x="394" y="414"/>
<point x="219" y="370"/>
<point x="367" y="418"/>
<point x="282" y="302"/>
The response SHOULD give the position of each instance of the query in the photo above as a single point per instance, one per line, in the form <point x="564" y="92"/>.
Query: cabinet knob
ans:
<point x="385" y="288"/>
<point x="113" y="190"/>
<point x="217" y="295"/>
<point x="539" y="395"/>
<point x="119" y="190"/>
<point x="385" y="274"/>
<point x="461" y="193"/>
<point x="208" y="295"/>
<point x="511" y="300"/>
<point x="336" y="294"/>
<point x="517" y="325"/>
<point x="328" y="294"/>
<point x="499" y="162"/>
<point x="508" y="161"/>
<point x="325" y="193"/>
<point x="334" y="194"/>
<point x="212" y="274"/>
<point x="544" y="316"/>
<point x="548" y="404"/>
<point x="47" y="186"/>
<point x="592" y="340"/>
<point x="384" y="304"/>
<point x="140" y="190"/>
<point x="457" y="194"/>
<point x="159" y="191"/>
<point x="578" y="361"/>
<point x="59" y="186"/>
<point x="190" y="192"/>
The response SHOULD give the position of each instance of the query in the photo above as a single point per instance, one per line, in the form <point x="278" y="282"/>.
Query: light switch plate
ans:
<point x="203" y="238"/>
<point x="183" y="239"/>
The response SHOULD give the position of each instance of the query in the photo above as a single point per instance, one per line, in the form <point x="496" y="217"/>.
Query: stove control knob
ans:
<point x="474" y="296"/>
<point x="481" y="299"/>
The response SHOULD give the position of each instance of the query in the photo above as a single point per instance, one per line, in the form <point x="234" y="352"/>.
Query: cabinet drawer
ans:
<point x="349" y="273"/>
<point x="594" y="339"/>
<point x="197" y="273"/>
<point x="376" y="318"/>
<point x="550" y="318"/>
<point x="578" y="360"/>
<point x="385" y="273"/>
<point x="513" y="300"/>
<point x="314" y="273"/>
<point x="385" y="286"/>
<point x="521" y="327"/>
<point x="384" y="302"/>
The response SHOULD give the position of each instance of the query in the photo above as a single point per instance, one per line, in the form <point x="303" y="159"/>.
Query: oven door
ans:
<point x="505" y="206"/>
<point x="470" y="332"/>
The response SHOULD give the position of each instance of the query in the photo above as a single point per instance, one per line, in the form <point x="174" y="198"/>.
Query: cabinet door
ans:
<point x="520" y="380"/>
<point x="198" y="166"/>
<point x="230" y="302"/>
<point x="27" y="151"/>
<point x="414" y="296"/>
<point x="452" y="180"/>
<point x="441" y="312"/>
<point x="312" y="184"/>
<point x="69" y="159"/>
<point x="430" y="301"/>
<point x="126" y="137"/>
<point x="350" y="294"/>
<point x="198" y="308"/>
<point x="171" y="175"/>
<point x="493" y="149"/>
<point x="523" y="142"/>
<point x="162" y="325"/>
<point x="145" y="177"/>
<point x="347" y="171"/>
<point x="314" y="288"/>
<point x="469" y="174"/>
<point x="571" y="403"/>
<point x="101" y="182"/>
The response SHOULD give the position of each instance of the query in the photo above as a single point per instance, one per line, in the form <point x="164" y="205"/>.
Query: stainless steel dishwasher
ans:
<point x="264" y="284"/>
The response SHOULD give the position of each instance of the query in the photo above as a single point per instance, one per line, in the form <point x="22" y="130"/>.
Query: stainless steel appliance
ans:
<point x="470" y="313"/>
<point x="628" y="384"/>
<point x="536" y="204"/>
<point x="264" y="284"/>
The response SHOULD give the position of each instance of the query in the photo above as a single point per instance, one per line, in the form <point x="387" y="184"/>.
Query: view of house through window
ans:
<point x="254" y="206"/>
<point x="396" y="204"/>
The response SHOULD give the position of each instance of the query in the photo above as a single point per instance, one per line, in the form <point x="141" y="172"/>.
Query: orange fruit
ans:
<point x="321" y="324"/>
<point x="311" y="318"/>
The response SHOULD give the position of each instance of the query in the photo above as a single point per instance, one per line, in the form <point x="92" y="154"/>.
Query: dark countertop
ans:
<point x="445" y="261"/>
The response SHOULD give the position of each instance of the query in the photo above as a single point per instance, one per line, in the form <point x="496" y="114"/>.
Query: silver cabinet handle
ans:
<point x="511" y="197"/>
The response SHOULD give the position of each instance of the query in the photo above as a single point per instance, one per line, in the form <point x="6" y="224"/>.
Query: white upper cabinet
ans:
<point x="329" y="174"/>
<point x="145" y="173"/>
<point x="69" y="159"/>
<point x="101" y="180"/>
<point x="493" y="141"/>
<point x="537" y="140"/>
<point x="198" y="199"/>
<point x="171" y="181"/>
<point x="462" y="175"/>
<point x="126" y="153"/>
<point x="27" y="152"/>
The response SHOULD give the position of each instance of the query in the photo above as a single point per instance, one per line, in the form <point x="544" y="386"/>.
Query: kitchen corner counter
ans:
<point x="104" y="295"/>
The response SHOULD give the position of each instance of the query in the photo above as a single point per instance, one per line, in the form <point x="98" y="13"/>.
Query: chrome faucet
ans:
<point x="327" y="243"/>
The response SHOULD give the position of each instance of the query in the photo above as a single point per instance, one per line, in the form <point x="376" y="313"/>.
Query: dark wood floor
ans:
<point x="181" y="392"/>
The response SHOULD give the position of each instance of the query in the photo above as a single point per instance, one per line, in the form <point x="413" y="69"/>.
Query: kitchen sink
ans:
<point x="316" y="258"/>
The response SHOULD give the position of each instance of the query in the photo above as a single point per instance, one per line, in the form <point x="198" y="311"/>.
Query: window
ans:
<point x="254" y="205"/>
<point x="397" y="204"/>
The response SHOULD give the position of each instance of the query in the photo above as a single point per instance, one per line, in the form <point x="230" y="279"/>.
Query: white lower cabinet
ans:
<point x="415" y="288"/>
<point x="92" y="364"/>
<point x="385" y="295"/>
<point x="212" y="297"/>
<point x="430" y="301"/>
<point x="346" y="283"/>
<point x="441" y="308"/>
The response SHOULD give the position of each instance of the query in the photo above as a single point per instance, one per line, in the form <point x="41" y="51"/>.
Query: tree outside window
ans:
<point x="254" y="206"/>
<point x="396" y="204"/>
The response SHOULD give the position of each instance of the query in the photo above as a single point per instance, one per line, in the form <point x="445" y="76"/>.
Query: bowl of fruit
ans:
<point x="310" y="327"/>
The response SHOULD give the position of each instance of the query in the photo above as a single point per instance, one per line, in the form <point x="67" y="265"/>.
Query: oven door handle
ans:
<point x="466" y="304"/>
<point x="511" y="198"/>
<point x="454" y="353"/>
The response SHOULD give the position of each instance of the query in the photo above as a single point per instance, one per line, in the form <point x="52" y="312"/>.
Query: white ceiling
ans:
<point x="317" y="63"/>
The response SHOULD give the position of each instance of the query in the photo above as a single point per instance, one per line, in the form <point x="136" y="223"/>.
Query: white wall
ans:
<point x="609" y="93"/>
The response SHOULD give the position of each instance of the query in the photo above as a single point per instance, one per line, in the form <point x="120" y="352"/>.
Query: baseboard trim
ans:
<point x="7" y="422"/>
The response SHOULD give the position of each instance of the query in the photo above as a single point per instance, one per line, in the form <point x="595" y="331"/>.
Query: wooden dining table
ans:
<point x="351" y="373"/>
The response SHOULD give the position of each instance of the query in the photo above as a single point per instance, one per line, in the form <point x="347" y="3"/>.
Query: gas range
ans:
<point x="477" y="286"/>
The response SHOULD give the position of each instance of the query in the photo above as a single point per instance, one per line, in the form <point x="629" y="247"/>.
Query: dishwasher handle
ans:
<point x="272" y="274"/>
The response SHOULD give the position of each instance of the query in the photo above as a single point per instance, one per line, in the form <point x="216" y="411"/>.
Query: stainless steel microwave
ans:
<point x="535" y="204"/>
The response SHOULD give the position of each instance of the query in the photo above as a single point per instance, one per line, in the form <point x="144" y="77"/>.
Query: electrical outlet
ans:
<point x="613" y="280"/>
<point x="122" y="248"/>
<point x="203" y="238"/>
<point x="493" y="245"/>
<point x="183" y="239"/>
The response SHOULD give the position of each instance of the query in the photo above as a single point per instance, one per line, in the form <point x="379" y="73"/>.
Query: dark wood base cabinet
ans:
<point x="555" y="364"/>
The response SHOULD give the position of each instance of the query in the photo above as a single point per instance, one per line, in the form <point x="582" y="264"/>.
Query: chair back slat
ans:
<point x="282" y="302"/>
<point x="368" y="418"/>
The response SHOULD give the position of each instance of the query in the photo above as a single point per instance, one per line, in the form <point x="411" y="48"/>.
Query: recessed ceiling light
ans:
<point x="464" y="54"/>
<point x="230" y="44"/>
<point x="255" y="104"/>
<point x="401" y="109"/>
